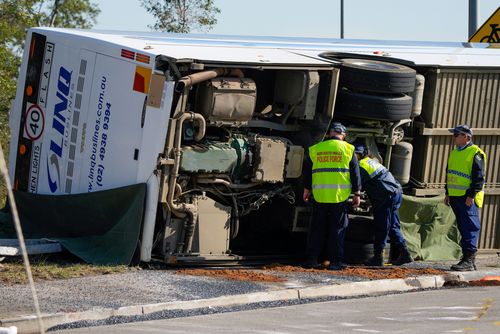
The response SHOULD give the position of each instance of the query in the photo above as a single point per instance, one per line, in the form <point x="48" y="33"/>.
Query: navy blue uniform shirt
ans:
<point x="380" y="187"/>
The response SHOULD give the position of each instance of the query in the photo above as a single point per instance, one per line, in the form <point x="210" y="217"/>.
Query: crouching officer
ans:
<point x="332" y="173"/>
<point x="464" y="192"/>
<point x="385" y="194"/>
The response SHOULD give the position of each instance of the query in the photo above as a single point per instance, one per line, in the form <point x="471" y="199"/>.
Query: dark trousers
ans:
<point x="387" y="224"/>
<point x="467" y="222"/>
<point x="329" y="221"/>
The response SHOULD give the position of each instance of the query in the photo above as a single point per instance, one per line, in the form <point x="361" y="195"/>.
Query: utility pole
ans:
<point x="342" y="18"/>
<point x="473" y="16"/>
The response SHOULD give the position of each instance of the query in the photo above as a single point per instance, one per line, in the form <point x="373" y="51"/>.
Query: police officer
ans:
<point x="385" y="195"/>
<point x="464" y="192"/>
<point x="331" y="174"/>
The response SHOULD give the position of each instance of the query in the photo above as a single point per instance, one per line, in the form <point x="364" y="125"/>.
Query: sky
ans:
<point x="416" y="20"/>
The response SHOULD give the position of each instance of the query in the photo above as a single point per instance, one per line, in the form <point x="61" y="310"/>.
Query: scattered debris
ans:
<point x="490" y="278"/>
<point x="8" y="330"/>
<point x="233" y="274"/>
<point x="485" y="282"/>
<point x="456" y="284"/>
<point x="268" y="276"/>
<point x="11" y="247"/>
<point x="366" y="272"/>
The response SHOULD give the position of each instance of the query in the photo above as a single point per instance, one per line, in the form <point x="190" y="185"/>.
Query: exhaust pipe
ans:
<point x="196" y="78"/>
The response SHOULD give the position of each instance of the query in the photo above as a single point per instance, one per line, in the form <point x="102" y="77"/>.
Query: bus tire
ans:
<point x="357" y="252"/>
<point x="374" y="107"/>
<point x="376" y="76"/>
<point x="360" y="229"/>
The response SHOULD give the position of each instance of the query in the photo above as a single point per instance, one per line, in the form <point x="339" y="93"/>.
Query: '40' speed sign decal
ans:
<point x="34" y="122"/>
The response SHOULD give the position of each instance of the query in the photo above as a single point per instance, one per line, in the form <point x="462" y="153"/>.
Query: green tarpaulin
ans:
<point x="429" y="228"/>
<point x="101" y="227"/>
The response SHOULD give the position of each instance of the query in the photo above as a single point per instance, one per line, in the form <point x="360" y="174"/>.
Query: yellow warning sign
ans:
<point x="489" y="31"/>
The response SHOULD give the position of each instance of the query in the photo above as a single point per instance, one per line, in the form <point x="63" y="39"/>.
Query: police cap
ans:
<point x="338" y="127"/>
<point x="463" y="128"/>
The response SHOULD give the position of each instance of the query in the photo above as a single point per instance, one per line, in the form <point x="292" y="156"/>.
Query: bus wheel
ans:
<point x="357" y="252"/>
<point x="360" y="229"/>
<point x="374" y="107"/>
<point x="376" y="76"/>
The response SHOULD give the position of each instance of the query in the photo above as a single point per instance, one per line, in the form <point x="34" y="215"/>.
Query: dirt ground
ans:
<point x="232" y="274"/>
<point x="371" y="273"/>
<point x="268" y="273"/>
<point x="486" y="281"/>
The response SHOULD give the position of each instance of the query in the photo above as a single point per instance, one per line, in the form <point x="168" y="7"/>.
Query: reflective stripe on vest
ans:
<point x="458" y="175"/>
<point x="331" y="180"/>
<point x="372" y="167"/>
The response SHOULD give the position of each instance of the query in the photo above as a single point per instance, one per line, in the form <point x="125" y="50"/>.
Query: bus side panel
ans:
<point x="113" y="125"/>
<point x="154" y="133"/>
<point x="78" y="119"/>
<point x="84" y="79"/>
<point x="46" y="115"/>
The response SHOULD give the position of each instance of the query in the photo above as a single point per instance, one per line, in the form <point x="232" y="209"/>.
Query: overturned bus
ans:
<point x="217" y="127"/>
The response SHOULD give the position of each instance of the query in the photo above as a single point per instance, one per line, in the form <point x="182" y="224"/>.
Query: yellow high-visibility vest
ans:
<point x="331" y="180"/>
<point x="371" y="166"/>
<point x="458" y="175"/>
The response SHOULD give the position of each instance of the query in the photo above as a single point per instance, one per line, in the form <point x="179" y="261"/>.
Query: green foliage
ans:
<point x="16" y="16"/>
<point x="182" y="16"/>
<point x="68" y="14"/>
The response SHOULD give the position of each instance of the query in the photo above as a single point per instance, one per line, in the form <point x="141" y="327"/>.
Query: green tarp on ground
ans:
<point x="102" y="227"/>
<point x="429" y="228"/>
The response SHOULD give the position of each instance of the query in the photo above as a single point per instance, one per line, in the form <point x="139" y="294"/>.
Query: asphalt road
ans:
<point x="459" y="310"/>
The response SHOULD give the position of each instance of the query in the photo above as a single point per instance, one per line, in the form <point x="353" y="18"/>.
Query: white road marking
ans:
<point x="348" y="324"/>
<point x="452" y="318"/>
<point x="427" y="312"/>
<point x="446" y="308"/>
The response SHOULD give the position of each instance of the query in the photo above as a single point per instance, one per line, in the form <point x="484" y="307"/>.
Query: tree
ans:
<point x="182" y="16"/>
<point x="69" y="14"/>
<point x="16" y="16"/>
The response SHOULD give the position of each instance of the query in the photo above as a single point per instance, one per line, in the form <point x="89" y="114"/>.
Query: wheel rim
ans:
<point x="373" y="64"/>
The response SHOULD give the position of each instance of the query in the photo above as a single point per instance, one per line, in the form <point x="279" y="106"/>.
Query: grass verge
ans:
<point x="46" y="268"/>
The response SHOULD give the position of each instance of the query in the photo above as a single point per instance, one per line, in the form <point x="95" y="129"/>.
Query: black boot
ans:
<point x="377" y="260"/>
<point x="394" y="252"/>
<point x="466" y="263"/>
<point x="404" y="257"/>
<point x="337" y="265"/>
<point x="311" y="263"/>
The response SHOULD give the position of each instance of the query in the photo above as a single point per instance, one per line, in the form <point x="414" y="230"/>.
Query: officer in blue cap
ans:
<point x="331" y="174"/>
<point x="385" y="195"/>
<point x="464" y="192"/>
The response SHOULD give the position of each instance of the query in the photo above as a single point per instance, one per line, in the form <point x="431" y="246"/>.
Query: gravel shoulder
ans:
<point x="142" y="287"/>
